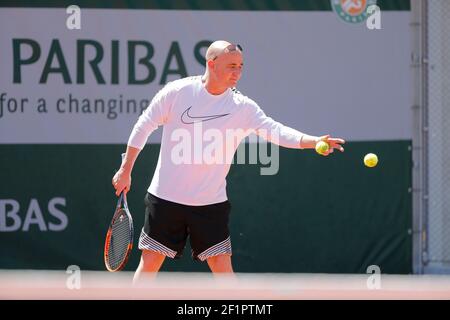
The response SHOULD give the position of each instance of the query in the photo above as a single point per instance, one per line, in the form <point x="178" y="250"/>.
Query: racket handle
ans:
<point x="124" y="193"/>
<point x="125" y="204"/>
<point x="119" y="201"/>
<point x="122" y="199"/>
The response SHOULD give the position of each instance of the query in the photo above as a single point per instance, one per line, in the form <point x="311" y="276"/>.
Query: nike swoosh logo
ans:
<point x="188" y="119"/>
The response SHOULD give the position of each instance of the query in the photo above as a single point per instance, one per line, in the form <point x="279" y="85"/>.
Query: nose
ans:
<point x="237" y="74"/>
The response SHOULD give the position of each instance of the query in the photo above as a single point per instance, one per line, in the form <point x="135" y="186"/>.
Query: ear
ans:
<point x="210" y="64"/>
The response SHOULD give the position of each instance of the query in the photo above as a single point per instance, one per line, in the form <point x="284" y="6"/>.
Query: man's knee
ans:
<point x="220" y="263"/>
<point x="151" y="259"/>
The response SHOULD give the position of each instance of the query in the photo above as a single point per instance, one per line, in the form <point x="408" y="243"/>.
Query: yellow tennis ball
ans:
<point x="370" y="160"/>
<point x="322" y="147"/>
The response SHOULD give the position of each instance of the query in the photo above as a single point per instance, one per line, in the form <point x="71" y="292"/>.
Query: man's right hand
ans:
<point x="121" y="181"/>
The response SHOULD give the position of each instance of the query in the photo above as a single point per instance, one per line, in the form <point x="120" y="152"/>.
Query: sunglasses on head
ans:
<point x="230" y="48"/>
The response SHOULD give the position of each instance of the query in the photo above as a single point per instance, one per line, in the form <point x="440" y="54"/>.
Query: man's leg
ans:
<point x="220" y="263"/>
<point x="151" y="262"/>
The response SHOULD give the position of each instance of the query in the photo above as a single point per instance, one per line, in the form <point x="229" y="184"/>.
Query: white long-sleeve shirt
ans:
<point x="200" y="136"/>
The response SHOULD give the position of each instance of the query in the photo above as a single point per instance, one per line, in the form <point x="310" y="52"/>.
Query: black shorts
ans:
<point x="168" y="224"/>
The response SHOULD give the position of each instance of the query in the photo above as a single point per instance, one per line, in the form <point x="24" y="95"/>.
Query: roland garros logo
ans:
<point x="352" y="11"/>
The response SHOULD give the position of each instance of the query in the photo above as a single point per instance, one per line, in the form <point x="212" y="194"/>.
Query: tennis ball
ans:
<point x="370" y="160"/>
<point x="322" y="147"/>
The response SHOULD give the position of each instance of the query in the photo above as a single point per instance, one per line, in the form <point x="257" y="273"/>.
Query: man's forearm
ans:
<point x="130" y="157"/>
<point x="308" y="142"/>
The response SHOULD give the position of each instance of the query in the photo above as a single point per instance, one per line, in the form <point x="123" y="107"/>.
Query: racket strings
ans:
<point x="120" y="240"/>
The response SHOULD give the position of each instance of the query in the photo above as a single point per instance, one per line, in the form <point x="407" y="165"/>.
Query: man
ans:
<point x="190" y="198"/>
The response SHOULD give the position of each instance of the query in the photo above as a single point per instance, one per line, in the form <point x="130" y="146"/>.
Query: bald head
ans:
<point x="217" y="48"/>
<point x="224" y="64"/>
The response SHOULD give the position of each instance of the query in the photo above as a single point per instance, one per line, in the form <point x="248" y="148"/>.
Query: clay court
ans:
<point x="200" y="286"/>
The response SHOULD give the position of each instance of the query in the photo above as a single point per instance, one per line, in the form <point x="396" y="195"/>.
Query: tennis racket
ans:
<point x="119" y="238"/>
